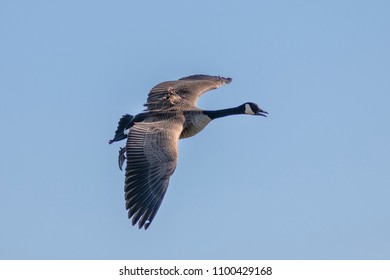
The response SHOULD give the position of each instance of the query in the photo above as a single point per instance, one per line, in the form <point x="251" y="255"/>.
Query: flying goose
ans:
<point x="152" y="137"/>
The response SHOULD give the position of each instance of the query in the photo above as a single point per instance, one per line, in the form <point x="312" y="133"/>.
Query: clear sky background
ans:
<point x="311" y="181"/>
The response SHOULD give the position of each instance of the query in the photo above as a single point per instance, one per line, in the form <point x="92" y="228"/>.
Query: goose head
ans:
<point x="251" y="108"/>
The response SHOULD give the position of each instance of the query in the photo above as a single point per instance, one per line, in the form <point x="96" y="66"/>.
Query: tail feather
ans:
<point x="123" y="124"/>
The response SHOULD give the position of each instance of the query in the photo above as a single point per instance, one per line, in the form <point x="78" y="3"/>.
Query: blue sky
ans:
<point x="311" y="181"/>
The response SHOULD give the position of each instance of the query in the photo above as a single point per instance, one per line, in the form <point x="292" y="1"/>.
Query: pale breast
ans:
<point x="195" y="122"/>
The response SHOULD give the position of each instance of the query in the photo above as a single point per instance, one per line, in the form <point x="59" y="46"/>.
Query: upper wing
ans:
<point x="183" y="92"/>
<point x="151" y="152"/>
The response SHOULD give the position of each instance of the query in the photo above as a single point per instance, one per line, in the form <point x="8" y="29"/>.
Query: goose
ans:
<point x="151" y="150"/>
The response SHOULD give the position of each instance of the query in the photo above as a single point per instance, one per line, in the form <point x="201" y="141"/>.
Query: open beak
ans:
<point x="262" y="113"/>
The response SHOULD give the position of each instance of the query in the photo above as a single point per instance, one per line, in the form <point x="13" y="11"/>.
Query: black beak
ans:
<point x="262" y="113"/>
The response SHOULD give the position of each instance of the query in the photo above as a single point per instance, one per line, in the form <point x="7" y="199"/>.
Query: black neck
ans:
<point x="224" y="112"/>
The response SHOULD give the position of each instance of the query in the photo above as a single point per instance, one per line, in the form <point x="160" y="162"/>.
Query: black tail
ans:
<point x="123" y="124"/>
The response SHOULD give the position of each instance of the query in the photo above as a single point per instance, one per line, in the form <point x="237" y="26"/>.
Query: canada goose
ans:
<point x="153" y="135"/>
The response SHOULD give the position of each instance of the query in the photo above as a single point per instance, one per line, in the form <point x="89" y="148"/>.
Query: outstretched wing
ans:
<point x="151" y="152"/>
<point x="183" y="92"/>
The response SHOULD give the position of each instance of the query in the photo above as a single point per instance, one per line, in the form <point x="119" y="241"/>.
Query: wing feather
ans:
<point x="151" y="152"/>
<point x="183" y="92"/>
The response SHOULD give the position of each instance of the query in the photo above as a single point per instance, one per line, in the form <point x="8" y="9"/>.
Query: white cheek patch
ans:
<point x="248" y="110"/>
